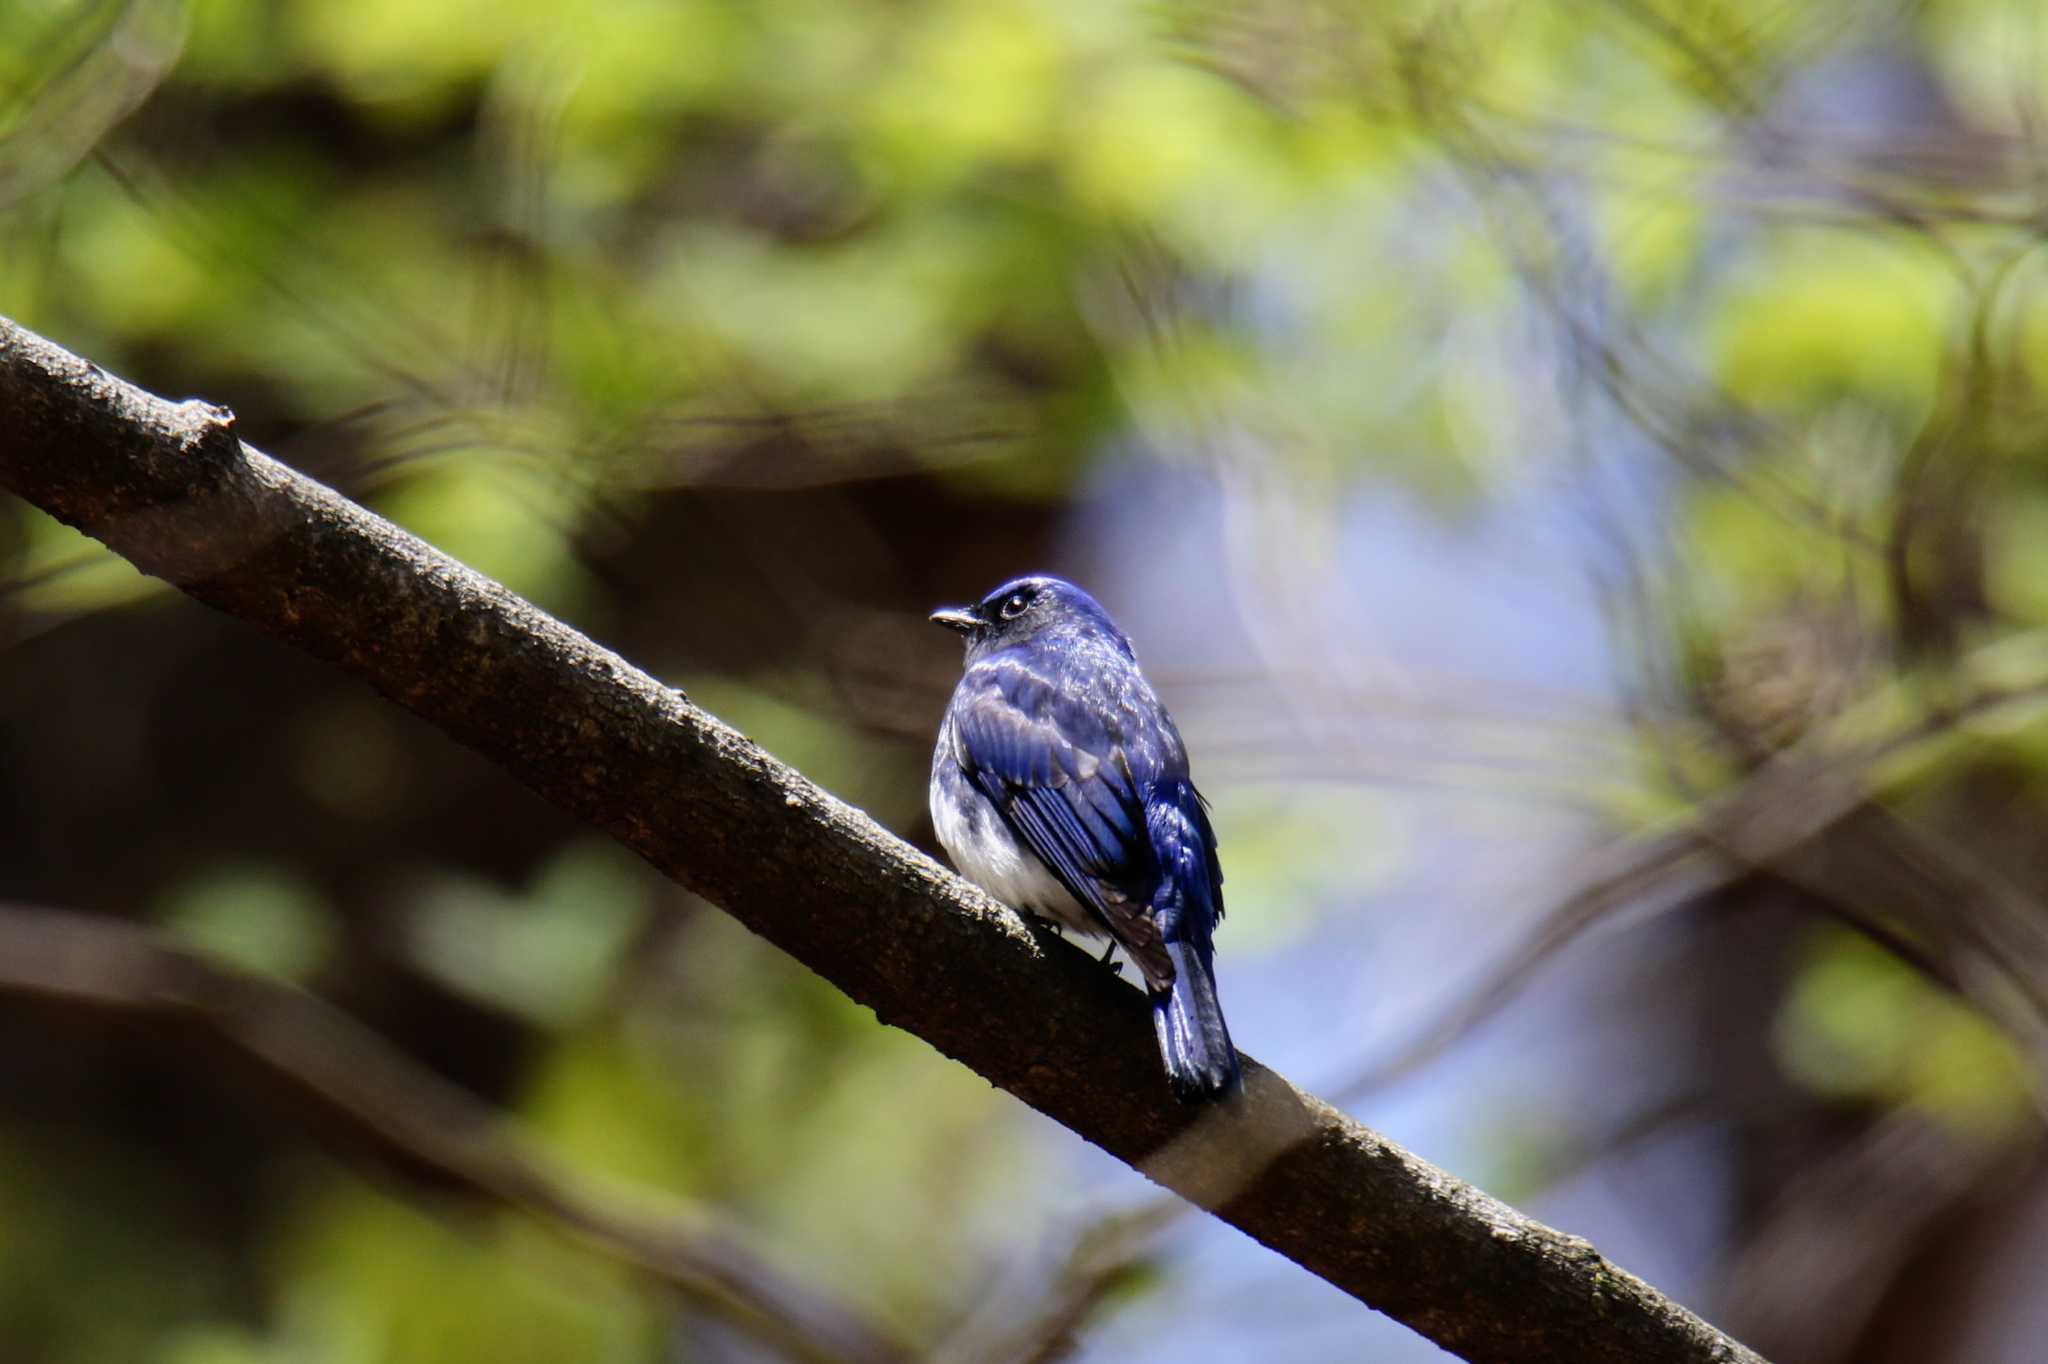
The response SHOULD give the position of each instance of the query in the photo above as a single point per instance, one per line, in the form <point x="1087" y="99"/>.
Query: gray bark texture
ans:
<point x="170" y="487"/>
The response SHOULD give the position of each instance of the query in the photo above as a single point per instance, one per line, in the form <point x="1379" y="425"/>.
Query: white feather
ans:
<point x="983" y="850"/>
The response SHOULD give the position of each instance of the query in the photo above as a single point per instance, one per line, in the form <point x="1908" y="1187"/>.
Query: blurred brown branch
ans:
<point x="171" y="488"/>
<point x="405" y="1111"/>
<point x="1105" y="1256"/>
<point x="1812" y="822"/>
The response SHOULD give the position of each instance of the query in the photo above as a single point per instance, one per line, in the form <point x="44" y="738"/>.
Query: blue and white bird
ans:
<point x="1060" y="786"/>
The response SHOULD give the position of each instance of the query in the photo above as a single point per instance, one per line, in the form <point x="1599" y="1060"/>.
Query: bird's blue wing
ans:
<point x="1069" y="782"/>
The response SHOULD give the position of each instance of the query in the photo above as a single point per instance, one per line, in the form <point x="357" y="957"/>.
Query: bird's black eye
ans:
<point x="1014" y="604"/>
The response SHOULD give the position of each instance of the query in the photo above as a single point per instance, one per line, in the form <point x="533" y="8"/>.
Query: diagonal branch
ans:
<point x="408" y="1112"/>
<point x="170" y="487"/>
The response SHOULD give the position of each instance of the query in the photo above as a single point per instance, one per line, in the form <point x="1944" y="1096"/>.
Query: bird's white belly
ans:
<point x="985" y="852"/>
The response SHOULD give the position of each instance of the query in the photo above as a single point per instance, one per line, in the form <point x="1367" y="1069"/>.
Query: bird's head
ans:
<point x="1024" y="608"/>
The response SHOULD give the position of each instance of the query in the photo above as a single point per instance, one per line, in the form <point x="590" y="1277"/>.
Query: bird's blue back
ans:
<point x="1060" y="732"/>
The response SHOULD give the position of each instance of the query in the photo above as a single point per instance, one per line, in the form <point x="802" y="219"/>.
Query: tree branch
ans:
<point x="407" y="1112"/>
<point x="171" y="488"/>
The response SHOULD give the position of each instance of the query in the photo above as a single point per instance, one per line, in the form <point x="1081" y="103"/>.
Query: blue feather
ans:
<point x="1060" y="782"/>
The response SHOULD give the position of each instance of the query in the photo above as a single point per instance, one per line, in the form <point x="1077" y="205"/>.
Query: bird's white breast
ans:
<point x="984" y="851"/>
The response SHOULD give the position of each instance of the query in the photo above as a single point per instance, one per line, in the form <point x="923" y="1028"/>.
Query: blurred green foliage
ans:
<point x="547" y="956"/>
<point x="96" y="1214"/>
<point x="258" y="919"/>
<point x="1863" y="1026"/>
<point x="361" y="1277"/>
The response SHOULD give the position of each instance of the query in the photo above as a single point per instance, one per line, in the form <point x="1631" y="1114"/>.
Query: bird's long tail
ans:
<point x="1186" y="905"/>
<point x="1200" y="1061"/>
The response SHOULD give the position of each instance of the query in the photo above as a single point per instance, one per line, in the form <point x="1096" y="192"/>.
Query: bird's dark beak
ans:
<point x="957" y="618"/>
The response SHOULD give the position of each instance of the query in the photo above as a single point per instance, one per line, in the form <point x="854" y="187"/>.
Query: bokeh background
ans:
<point x="1578" y="472"/>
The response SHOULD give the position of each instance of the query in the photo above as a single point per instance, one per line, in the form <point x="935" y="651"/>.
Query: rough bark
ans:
<point x="170" y="487"/>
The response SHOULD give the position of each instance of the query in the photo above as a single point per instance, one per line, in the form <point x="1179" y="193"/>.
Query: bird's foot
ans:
<point x="1045" y="930"/>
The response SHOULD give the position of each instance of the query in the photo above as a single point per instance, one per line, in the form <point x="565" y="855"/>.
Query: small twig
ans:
<point x="1108" y="1253"/>
<point x="1636" y="868"/>
<point x="412" y="1114"/>
<point x="1760" y="825"/>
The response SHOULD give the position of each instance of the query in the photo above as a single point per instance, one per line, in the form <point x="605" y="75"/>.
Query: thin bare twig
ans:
<point x="407" y="1111"/>
<point x="1760" y="825"/>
